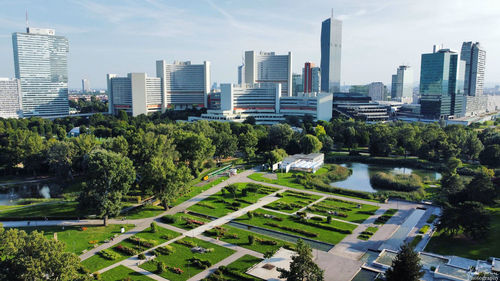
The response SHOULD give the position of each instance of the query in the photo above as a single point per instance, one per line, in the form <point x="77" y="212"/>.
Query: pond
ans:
<point x="9" y="194"/>
<point x="360" y="178"/>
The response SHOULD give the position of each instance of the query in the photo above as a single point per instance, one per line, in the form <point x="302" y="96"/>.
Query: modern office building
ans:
<point x="377" y="91"/>
<point x="267" y="67"/>
<point x="241" y="73"/>
<point x="331" y="51"/>
<point x="359" y="89"/>
<point x="10" y="98"/>
<point x="297" y="84"/>
<point x="184" y="85"/>
<point x="85" y="85"/>
<point x="311" y="76"/>
<point x="135" y="94"/>
<point x="402" y="84"/>
<point x="41" y="65"/>
<point x="442" y="84"/>
<point x="475" y="58"/>
<point x="265" y="103"/>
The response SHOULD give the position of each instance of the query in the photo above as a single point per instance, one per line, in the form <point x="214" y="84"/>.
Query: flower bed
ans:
<point x="126" y="250"/>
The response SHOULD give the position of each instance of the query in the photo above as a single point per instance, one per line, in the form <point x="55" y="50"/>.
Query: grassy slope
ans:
<point x="482" y="249"/>
<point x="182" y="254"/>
<point x="77" y="240"/>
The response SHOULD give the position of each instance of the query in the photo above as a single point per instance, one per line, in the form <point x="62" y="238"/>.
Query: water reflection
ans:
<point x="360" y="178"/>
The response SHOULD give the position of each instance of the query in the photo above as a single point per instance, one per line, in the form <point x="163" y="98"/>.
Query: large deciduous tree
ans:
<point x="109" y="176"/>
<point x="406" y="266"/>
<point x="302" y="267"/>
<point x="33" y="257"/>
<point x="310" y="144"/>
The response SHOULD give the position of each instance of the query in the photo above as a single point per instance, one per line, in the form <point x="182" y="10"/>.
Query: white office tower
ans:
<point x="246" y="98"/>
<point x="402" y="84"/>
<point x="10" y="98"/>
<point x="135" y="94"/>
<point x="267" y="67"/>
<point x="41" y="64"/>
<point x="331" y="53"/>
<point x="377" y="91"/>
<point x="184" y="85"/>
<point x="475" y="58"/>
<point x="85" y="85"/>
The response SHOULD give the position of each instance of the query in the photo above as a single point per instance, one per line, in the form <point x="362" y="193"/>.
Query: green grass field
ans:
<point x="219" y="204"/>
<point x="324" y="235"/>
<point x="292" y="201"/>
<point x="76" y="239"/>
<point x="354" y="214"/>
<point x="51" y="209"/>
<point x="146" y="211"/>
<point x="443" y="244"/>
<point x="241" y="239"/>
<point x="96" y="262"/>
<point x="242" y="265"/>
<point x="179" y="258"/>
<point x="123" y="273"/>
<point x="195" y="190"/>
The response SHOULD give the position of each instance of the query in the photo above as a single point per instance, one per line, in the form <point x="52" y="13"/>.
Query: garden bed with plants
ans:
<point x="182" y="262"/>
<point x="315" y="228"/>
<point x="232" y="198"/>
<point x="132" y="246"/>
<point x="386" y="216"/>
<point x="368" y="233"/>
<point x="344" y="210"/>
<point x="292" y="201"/>
<point x="184" y="221"/>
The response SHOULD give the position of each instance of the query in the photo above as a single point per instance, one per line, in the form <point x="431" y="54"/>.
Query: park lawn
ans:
<point x="443" y="244"/>
<point x="145" y="211"/>
<point x="219" y="204"/>
<point x="195" y="190"/>
<point x="96" y="262"/>
<point x="77" y="239"/>
<point x="242" y="239"/>
<point x="123" y="273"/>
<point x="324" y="235"/>
<point x="354" y="214"/>
<point x="242" y="265"/>
<point x="292" y="201"/>
<point x="50" y="209"/>
<point x="284" y="179"/>
<point x="6" y="207"/>
<point x="181" y="221"/>
<point x="179" y="258"/>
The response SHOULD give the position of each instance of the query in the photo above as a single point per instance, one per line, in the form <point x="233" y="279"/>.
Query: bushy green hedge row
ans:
<point x="108" y="254"/>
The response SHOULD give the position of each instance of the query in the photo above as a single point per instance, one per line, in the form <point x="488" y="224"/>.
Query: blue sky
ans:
<point x="121" y="36"/>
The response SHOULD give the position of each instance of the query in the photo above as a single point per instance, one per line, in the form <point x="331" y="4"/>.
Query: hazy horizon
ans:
<point x="129" y="36"/>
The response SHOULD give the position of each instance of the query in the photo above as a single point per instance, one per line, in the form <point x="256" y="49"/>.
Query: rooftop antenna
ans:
<point x="27" y="26"/>
<point x="332" y="13"/>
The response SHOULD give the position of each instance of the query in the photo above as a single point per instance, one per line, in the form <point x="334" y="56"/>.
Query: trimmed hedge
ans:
<point x="108" y="254"/>
<point x="126" y="250"/>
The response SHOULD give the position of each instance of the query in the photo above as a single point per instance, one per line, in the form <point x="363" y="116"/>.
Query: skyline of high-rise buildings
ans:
<point x="331" y="52"/>
<point x="41" y="65"/>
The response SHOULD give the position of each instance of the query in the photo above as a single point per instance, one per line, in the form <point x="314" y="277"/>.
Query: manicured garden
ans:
<point x="292" y="201"/>
<point x="181" y="260"/>
<point x="79" y="238"/>
<point x="184" y="221"/>
<point x="344" y="210"/>
<point x="315" y="228"/>
<point x="246" y="239"/>
<point x="235" y="271"/>
<point x="386" y="216"/>
<point x="443" y="244"/>
<point x="232" y="198"/>
<point x="123" y="273"/>
<point x="132" y="246"/>
<point x="368" y="233"/>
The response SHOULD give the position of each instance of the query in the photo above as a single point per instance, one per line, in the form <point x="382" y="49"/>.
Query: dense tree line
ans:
<point x="88" y="106"/>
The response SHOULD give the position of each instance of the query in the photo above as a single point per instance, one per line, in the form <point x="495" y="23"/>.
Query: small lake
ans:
<point x="360" y="178"/>
<point x="9" y="194"/>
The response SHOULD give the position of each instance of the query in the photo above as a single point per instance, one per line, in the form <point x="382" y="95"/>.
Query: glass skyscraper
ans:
<point x="442" y="84"/>
<point x="41" y="64"/>
<point x="331" y="50"/>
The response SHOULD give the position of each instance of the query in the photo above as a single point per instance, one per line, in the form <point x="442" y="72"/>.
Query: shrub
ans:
<point x="141" y="242"/>
<point x="165" y="250"/>
<point x="424" y="229"/>
<point x="132" y="199"/>
<point x="329" y="219"/>
<point x="169" y="219"/>
<point x="317" y="218"/>
<point x="250" y="214"/>
<point x="432" y="218"/>
<point x="142" y="256"/>
<point x="97" y="276"/>
<point x="108" y="254"/>
<point x="203" y="264"/>
<point x="251" y="239"/>
<point x="186" y="243"/>
<point x="160" y="267"/>
<point x="399" y="182"/>
<point x="126" y="250"/>
<point x="154" y="227"/>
